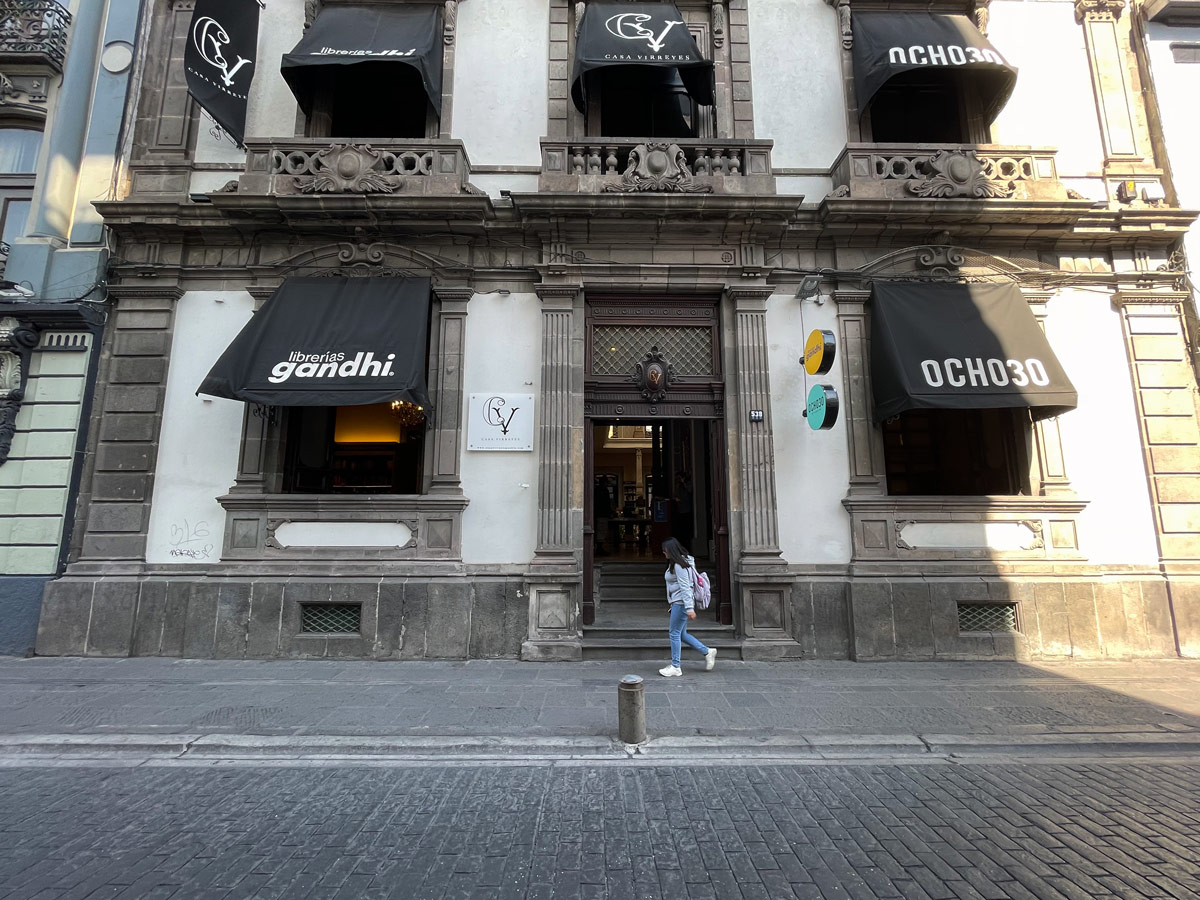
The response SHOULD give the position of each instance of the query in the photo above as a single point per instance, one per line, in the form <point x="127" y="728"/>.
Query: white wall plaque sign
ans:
<point x="500" y="422"/>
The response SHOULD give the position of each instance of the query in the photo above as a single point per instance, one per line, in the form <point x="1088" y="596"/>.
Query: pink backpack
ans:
<point x="701" y="589"/>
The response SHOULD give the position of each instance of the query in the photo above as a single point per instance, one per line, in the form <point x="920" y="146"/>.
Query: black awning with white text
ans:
<point x="639" y="34"/>
<point x="892" y="46"/>
<point x="961" y="346"/>
<point x="330" y="342"/>
<point x="408" y="35"/>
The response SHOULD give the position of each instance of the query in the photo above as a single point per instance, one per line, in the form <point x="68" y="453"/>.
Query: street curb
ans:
<point x="694" y="749"/>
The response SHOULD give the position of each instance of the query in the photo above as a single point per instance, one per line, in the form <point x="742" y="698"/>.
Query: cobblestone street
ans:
<point x="1113" y="831"/>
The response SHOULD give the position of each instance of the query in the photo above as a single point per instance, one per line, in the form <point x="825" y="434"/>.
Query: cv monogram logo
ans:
<point x="632" y="27"/>
<point x="493" y="413"/>
<point x="211" y="38"/>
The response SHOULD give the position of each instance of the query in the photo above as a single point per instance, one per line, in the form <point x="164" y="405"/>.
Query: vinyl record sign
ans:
<point x="821" y="410"/>
<point x="819" y="351"/>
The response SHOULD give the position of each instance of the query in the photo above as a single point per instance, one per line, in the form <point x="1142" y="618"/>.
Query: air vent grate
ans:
<point x="330" y="618"/>
<point x="987" y="617"/>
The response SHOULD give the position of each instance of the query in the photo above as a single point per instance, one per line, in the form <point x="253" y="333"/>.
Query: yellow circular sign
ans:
<point x="819" y="352"/>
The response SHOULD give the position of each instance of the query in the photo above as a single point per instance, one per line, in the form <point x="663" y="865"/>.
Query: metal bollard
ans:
<point x="631" y="710"/>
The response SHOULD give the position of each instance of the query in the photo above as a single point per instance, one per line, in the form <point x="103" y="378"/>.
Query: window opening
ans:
<point x="957" y="452"/>
<point x="353" y="450"/>
<point x="926" y="108"/>
<point x="642" y="101"/>
<point x="371" y="100"/>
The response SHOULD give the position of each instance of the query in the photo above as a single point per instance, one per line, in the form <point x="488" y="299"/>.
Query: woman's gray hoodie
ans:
<point x="679" y="585"/>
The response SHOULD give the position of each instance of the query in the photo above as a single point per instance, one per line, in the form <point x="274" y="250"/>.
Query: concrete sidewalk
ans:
<point x="500" y="708"/>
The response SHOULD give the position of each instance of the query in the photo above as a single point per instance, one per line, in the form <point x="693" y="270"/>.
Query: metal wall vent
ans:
<point x="987" y="617"/>
<point x="330" y="618"/>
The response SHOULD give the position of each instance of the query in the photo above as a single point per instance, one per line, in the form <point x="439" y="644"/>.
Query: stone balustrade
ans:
<point x="319" y="166"/>
<point x="969" y="171"/>
<point x="34" y="31"/>
<point x="607" y="165"/>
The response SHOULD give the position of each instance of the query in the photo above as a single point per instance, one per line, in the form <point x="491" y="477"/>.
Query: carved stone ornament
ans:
<point x="1098" y="10"/>
<point x="718" y="23"/>
<point x="580" y="9"/>
<point x="24" y="92"/>
<point x="959" y="173"/>
<point x="845" y="26"/>
<point x="348" y="169"/>
<point x="658" y="167"/>
<point x="17" y="340"/>
<point x="842" y="190"/>
<point x="450" y="21"/>
<point x="982" y="15"/>
<point x="940" y="261"/>
<point x="653" y="376"/>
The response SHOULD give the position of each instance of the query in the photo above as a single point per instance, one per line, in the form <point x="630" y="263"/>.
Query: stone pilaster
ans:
<point x="866" y="450"/>
<point x="555" y="579"/>
<point x="763" y="585"/>
<point x="1047" y="436"/>
<point x="1165" y="394"/>
<point x="125" y="424"/>
<point x="449" y="51"/>
<point x="1122" y="128"/>
<point x="447" y="388"/>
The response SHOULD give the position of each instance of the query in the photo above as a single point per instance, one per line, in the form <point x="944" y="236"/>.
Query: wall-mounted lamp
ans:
<point x="810" y="286"/>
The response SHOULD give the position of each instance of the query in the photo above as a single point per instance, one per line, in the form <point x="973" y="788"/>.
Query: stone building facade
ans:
<point x="585" y="216"/>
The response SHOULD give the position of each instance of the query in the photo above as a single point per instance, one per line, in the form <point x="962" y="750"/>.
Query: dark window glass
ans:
<point x="956" y="452"/>
<point x="370" y="100"/>
<point x="917" y="108"/>
<point x="642" y="101"/>
<point x="352" y="450"/>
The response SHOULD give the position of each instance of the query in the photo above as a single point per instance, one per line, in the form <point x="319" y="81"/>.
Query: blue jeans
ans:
<point x="679" y="633"/>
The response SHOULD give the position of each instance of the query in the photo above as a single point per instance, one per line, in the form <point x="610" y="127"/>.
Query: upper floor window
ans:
<point x="925" y="77"/>
<point x="370" y="71"/>
<point x="638" y="72"/>
<point x="19" y="149"/>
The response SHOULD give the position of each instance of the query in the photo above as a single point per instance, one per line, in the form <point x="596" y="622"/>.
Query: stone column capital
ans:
<point x="557" y="296"/>
<point x="749" y="297"/>
<point x="1098" y="10"/>
<point x="454" y="299"/>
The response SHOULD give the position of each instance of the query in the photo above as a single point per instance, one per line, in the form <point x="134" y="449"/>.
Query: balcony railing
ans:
<point x="606" y="165"/>
<point x="319" y="166"/>
<point x="969" y="171"/>
<point x="34" y="31"/>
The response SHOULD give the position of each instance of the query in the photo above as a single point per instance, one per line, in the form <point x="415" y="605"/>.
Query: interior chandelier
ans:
<point x="408" y="414"/>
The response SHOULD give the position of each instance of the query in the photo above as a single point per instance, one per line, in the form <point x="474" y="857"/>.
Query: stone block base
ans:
<point x="896" y="618"/>
<point x="551" y="651"/>
<point x="229" y="618"/>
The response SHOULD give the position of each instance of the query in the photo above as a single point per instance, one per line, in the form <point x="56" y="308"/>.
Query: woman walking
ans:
<point x="680" y="566"/>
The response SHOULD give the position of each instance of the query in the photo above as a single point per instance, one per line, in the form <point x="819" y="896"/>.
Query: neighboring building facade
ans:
<point x="626" y="220"/>
<point x="64" y="75"/>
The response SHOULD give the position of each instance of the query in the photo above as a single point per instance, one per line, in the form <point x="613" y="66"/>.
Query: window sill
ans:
<point x="292" y="526"/>
<point x="954" y="529"/>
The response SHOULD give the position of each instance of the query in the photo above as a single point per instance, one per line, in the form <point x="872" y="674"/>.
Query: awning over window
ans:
<point x="408" y="35"/>
<point x="330" y="342"/>
<point x="639" y="34"/>
<point x="890" y="45"/>
<point x="961" y="346"/>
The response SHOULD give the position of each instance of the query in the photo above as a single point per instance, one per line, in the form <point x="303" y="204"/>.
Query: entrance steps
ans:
<point x="631" y="582"/>
<point x="634" y="630"/>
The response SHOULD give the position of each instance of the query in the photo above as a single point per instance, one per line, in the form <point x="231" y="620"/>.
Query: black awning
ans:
<point x="330" y="342"/>
<point x="350" y="35"/>
<point x="888" y="45"/>
<point x="218" y="60"/>
<point x="961" y="346"/>
<point x="639" y="34"/>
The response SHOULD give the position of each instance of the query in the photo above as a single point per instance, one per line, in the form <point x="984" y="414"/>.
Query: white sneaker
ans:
<point x="710" y="659"/>
<point x="670" y="671"/>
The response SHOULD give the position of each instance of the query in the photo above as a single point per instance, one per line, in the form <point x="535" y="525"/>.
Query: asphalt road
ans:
<point x="1109" y="830"/>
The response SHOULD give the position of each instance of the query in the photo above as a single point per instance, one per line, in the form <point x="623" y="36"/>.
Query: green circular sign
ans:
<point x="822" y="407"/>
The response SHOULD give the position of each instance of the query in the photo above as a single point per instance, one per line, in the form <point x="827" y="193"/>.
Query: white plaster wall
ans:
<point x="200" y="438"/>
<point x="796" y="66"/>
<point x="1053" y="104"/>
<point x="1101" y="441"/>
<point x="501" y="70"/>
<point x="811" y="467"/>
<point x="1178" y="87"/>
<point x="503" y="354"/>
<point x="272" y="108"/>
